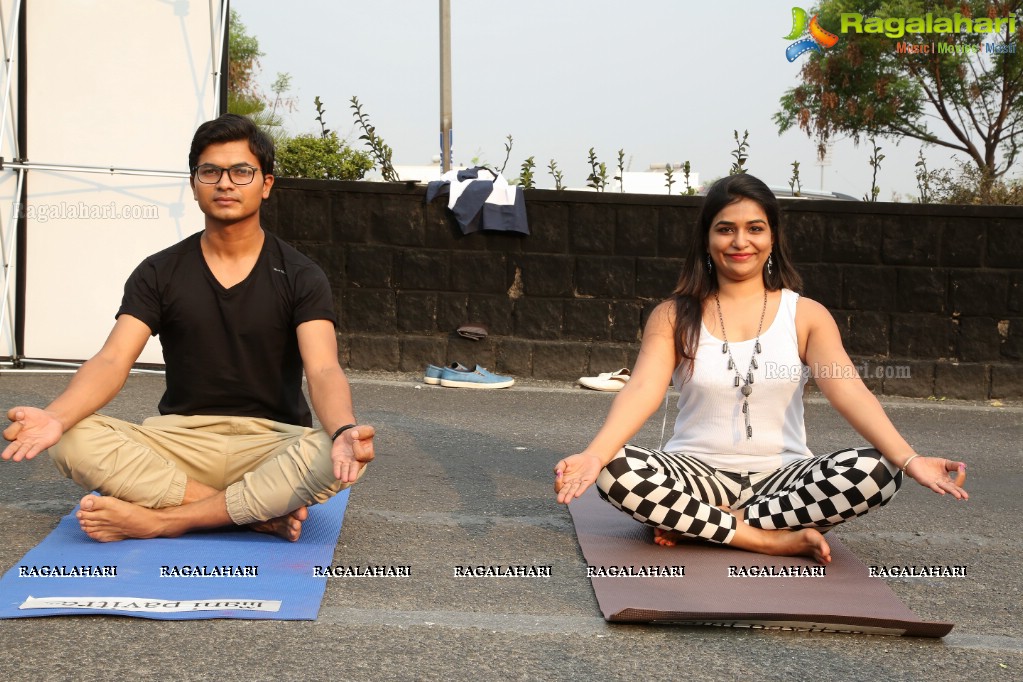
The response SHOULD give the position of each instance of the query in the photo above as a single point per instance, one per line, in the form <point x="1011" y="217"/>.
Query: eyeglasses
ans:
<point x="208" y="174"/>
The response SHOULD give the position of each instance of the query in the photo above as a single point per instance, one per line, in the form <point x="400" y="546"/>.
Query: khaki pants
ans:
<point x="267" y="468"/>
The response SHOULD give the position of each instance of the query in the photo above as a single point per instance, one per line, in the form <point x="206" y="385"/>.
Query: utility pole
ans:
<point x="823" y="161"/>
<point x="445" y="85"/>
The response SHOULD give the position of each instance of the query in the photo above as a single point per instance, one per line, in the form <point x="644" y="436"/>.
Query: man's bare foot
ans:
<point x="666" y="538"/>
<point x="288" y="527"/>
<point x="108" y="519"/>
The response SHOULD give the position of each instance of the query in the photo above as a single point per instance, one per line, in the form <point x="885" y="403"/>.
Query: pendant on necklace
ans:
<point x="746" y="389"/>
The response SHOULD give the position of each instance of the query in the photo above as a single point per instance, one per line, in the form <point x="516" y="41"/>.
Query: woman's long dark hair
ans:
<point x="695" y="283"/>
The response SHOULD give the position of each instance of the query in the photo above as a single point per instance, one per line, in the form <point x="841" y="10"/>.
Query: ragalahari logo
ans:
<point x="818" y="38"/>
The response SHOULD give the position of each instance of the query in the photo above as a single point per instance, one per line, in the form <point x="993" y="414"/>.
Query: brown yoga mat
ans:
<point x="844" y="599"/>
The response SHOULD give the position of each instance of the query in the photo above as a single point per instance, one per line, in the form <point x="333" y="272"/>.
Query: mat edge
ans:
<point x="932" y="629"/>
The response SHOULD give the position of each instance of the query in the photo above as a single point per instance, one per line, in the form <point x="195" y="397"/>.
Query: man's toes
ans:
<point x="95" y="534"/>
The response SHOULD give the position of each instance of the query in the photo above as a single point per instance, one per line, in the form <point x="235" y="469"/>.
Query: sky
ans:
<point x="665" y="80"/>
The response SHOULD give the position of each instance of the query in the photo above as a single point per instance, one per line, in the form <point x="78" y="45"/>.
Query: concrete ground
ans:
<point x="464" y="477"/>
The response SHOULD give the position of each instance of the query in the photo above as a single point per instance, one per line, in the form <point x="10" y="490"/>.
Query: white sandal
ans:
<point x="608" y="381"/>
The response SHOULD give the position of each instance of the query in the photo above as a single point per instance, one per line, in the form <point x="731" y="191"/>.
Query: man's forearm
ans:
<point x="332" y="398"/>
<point x="93" y="386"/>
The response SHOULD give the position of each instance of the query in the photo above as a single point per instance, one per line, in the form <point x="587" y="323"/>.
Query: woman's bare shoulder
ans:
<point x="811" y="311"/>
<point x="661" y="321"/>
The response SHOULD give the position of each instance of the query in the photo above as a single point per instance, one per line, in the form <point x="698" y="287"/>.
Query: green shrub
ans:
<point x="322" y="158"/>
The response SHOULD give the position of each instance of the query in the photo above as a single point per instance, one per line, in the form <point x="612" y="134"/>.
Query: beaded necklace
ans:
<point x="747" y="381"/>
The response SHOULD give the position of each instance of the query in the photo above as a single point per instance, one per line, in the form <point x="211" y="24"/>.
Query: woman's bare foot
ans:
<point x="806" y="542"/>
<point x="108" y="519"/>
<point x="670" y="538"/>
<point x="288" y="527"/>
<point x="666" y="538"/>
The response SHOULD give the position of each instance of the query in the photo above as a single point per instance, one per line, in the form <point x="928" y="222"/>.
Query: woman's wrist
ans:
<point x="599" y="454"/>
<point x="909" y="459"/>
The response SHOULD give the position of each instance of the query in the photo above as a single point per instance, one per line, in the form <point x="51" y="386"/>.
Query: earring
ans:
<point x="770" y="261"/>
<point x="710" y="266"/>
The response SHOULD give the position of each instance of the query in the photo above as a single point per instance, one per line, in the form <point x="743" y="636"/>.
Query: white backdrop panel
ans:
<point x="118" y="82"/>
<point x="113" y="83"/>
<point x="86" y="234"/>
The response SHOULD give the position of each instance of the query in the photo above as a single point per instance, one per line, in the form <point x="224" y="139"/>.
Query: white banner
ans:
<point x="142" y="604"/>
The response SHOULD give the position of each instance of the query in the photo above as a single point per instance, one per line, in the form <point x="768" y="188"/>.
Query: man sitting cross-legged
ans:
<point x="240" y="314"/>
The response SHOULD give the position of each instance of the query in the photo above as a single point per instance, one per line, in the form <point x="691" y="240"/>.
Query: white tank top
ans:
<point x="710" y="424"/>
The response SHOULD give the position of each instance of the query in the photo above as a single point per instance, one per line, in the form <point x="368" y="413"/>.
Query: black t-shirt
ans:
<point x="234" y="351"/>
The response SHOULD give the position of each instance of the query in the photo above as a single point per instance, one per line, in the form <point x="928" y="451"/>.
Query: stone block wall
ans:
<point x="928" y="298"/>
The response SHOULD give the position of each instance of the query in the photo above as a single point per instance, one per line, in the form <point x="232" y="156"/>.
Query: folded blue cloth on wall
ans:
<point x="234" y="573"/>
<point x="481" y="203"/>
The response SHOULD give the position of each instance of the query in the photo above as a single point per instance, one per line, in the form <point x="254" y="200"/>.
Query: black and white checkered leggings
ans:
<point x="677" y="492"/>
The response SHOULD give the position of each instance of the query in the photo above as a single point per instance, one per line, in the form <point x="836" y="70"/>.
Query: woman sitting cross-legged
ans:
<point x="741" y="343"/>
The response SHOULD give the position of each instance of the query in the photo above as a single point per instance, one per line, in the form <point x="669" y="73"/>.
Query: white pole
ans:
<point x="7" y="246"/>
<point x="30" y="165"/>
<point x="218" y="21"/>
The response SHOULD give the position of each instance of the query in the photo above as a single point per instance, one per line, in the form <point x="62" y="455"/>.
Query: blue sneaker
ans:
<point x="461" y="377"/>
<point x="433" y="373"/>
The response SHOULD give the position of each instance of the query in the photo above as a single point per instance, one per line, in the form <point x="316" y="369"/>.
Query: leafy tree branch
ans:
<point x="943" y="89"/>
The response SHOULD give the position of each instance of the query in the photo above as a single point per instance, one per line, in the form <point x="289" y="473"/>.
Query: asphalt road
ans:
<point x="464" y="477"/>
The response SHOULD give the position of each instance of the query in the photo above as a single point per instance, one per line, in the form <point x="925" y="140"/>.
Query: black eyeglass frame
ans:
<point x="230" y="175"/>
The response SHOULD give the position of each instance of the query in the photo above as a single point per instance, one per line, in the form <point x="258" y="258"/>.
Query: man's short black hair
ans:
<point x="229" y="128"/>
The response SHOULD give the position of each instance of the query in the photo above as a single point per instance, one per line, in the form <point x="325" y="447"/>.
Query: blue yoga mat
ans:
<point x="223" y="574"/>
